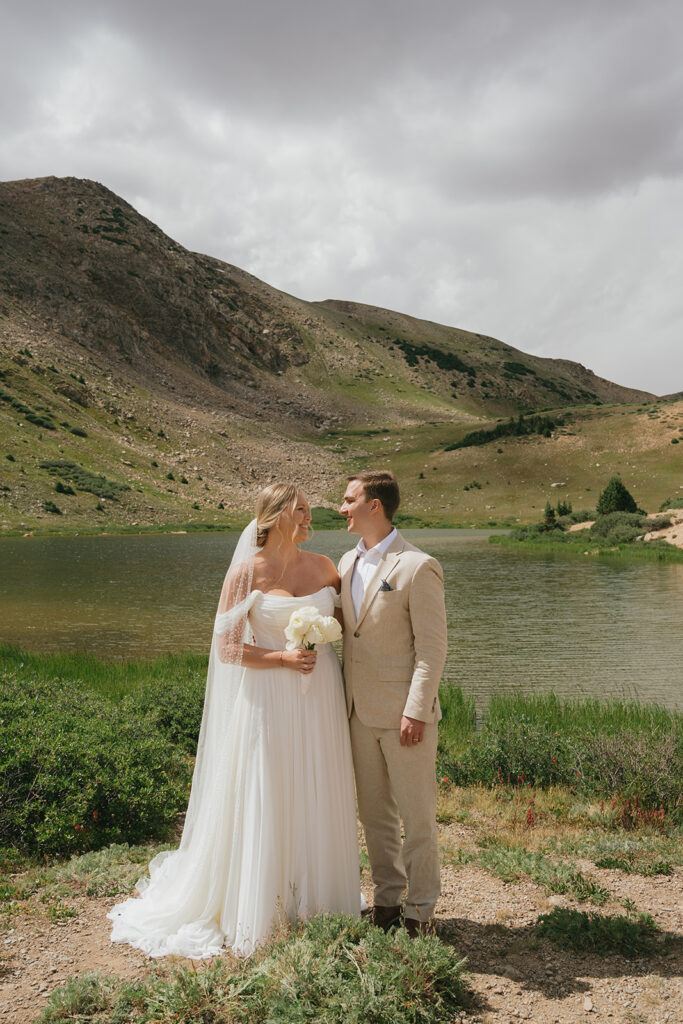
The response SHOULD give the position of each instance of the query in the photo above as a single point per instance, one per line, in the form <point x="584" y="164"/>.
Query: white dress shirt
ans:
<point x="365" y="567"/>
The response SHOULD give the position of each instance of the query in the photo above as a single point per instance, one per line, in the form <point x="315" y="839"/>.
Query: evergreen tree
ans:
<point x="549" y="516"/>
<point x="615" y="498"/>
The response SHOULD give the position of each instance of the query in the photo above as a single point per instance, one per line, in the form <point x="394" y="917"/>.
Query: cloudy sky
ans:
<point x="513" y="168"/>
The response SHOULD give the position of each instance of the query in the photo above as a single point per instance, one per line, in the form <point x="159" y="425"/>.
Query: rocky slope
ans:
<point x="162" y="357"/>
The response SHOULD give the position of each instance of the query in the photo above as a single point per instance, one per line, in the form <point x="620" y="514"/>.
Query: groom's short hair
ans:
<point x="380" y="484"/>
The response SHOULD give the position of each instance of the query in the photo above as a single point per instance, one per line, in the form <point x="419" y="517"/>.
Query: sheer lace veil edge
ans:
<point x="224" y="675"/>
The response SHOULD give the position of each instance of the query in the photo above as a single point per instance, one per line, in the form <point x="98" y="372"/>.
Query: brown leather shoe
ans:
<point x="415" y="928"/>
<point x="386" y="917"/>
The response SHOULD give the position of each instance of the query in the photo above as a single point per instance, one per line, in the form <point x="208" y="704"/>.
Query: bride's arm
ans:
<point x="260" y="657"/>
<point x="240" y="653"/>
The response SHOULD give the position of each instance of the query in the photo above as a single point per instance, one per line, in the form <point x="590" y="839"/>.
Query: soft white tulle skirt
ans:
<point x="286" y="845"/>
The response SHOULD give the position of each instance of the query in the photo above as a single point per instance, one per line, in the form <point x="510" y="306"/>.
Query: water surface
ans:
<point x="529" y="620"/>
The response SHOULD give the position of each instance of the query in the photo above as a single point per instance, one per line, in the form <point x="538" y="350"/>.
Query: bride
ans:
<point x="270" y="831"/>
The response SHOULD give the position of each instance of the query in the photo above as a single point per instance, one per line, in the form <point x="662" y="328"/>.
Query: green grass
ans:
<point x="648" y="854"/>
<point x="595" y="747"/>
<point x="328" y="969"/>
<point x="579" y="543"/>
<point x="112" y="679"/>
<point x="511" y="863"/>
<point x="628" y="935"/>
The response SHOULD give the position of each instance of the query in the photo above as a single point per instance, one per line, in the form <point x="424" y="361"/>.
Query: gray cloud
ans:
<point x="509" y="168"/>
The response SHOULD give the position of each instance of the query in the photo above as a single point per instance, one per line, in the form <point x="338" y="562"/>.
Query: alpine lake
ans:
<point x="518" y="620"/>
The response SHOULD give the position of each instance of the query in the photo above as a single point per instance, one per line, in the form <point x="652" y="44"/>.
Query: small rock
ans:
<point x="588" y="1004"/>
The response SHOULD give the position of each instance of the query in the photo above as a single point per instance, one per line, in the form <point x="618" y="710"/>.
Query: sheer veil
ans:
<point x="180" y="906"/>
<point x="230" y="632"/>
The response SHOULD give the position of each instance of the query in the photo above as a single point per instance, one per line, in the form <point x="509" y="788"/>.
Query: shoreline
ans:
<point x="644" y="551"/>
<point x="207" y="528"/>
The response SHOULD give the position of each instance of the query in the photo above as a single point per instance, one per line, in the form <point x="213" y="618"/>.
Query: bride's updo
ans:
<point x="270" y="504"/>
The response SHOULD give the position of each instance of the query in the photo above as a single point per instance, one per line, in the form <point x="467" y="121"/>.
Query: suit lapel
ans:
<point x="383" y="572"/>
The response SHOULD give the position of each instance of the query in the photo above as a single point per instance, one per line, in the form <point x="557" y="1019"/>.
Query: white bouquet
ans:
<point x="306" y="628"/>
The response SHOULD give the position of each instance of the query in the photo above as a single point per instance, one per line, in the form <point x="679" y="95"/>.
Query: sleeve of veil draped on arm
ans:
<point x="231" y="627"/>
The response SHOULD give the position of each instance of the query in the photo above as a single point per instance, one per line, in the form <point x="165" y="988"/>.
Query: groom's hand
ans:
<point x="412" y="731"/>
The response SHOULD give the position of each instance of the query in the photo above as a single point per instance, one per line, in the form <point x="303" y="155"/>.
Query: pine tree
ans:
<point x="615" y="498"/>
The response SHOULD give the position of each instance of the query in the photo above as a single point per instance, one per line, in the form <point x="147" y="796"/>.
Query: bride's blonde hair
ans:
<point x="270" y="504"/>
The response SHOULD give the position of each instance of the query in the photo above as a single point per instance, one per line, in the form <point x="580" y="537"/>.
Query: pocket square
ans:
<point x="385" y="586"/>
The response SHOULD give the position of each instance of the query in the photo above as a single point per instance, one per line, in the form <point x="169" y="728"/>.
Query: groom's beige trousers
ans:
<point x="394" y="782"/>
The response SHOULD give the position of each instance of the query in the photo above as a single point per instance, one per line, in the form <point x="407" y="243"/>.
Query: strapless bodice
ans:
<point x="270" y="613"/>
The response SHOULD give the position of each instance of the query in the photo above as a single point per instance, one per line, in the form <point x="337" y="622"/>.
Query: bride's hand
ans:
<point x="300" y="660"/>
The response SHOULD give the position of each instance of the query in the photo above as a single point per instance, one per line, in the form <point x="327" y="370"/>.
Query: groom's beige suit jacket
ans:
<point x="394" y="653"/>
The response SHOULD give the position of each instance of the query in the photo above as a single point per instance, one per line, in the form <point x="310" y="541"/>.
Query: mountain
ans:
<point x="143" y="357"/>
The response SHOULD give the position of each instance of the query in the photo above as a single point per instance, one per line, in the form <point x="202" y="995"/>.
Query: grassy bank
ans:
<point x="582" y="545"/>
<point x="98" y="752"/>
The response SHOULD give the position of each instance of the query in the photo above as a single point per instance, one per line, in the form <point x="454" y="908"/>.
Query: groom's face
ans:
<point x="356" y="508"/>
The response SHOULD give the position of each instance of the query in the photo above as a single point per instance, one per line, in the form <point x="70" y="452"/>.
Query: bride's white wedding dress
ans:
<point x="284" y="845"/>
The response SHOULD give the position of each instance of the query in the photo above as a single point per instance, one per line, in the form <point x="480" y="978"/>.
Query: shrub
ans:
<point x="330" y="968"/>
<point x="78" y="431"/>
<point x="78" y="772"/>
<point x="49" y="506"/>
<point x="657" y="523"/>
<point x="519" y="427"/>
<point x="174" y="708"/>
<point x="615" y="498"/>
<point x="617" y="527"/>
<point x="83" y="479"/>
<point x="62" y="488"/>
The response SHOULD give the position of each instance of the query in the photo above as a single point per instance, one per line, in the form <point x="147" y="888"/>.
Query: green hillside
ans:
<point x="143" y="386"/>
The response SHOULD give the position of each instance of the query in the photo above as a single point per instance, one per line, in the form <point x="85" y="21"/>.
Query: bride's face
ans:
<point x="296" y="521"/>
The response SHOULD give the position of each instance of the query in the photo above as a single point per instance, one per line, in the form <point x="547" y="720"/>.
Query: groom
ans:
<point x="394" y="653"/>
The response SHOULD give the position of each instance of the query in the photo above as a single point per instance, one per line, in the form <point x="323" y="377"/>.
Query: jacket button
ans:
<point x="356" y="634"/>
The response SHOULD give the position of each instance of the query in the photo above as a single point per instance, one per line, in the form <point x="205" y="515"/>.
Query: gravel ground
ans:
<point x="514" y="975"/>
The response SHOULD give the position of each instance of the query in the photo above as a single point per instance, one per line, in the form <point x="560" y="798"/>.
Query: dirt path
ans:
<point x="515" y="976"/>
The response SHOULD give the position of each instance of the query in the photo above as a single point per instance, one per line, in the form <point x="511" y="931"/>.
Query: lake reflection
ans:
<point x="516" y="619"/>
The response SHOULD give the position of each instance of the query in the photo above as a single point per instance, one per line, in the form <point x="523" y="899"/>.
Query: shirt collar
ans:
<point x="376" y="552"/>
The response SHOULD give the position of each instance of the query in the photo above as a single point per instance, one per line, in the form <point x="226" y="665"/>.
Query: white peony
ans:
<point x="307" y="627"/>
<point x="330" y="629"/>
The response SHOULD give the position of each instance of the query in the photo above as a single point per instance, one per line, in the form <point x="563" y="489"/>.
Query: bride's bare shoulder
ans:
<point x="324" y="568"/>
